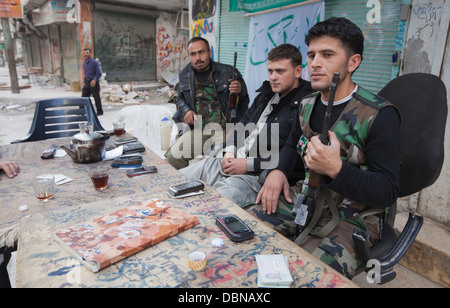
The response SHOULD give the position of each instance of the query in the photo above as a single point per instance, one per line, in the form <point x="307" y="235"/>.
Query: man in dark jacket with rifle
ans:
<point x="358" y="168"/>
<point x="254" y="144"/>
<point x="203" y="98"/>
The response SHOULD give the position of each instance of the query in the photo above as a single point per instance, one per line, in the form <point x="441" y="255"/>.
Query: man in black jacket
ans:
<point x="261" y="133"/>
<point x="203" y="98"/>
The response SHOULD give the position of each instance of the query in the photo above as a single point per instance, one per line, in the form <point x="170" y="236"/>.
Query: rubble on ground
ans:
<point x="127" y="93"/>
<point x="114" y="95"/>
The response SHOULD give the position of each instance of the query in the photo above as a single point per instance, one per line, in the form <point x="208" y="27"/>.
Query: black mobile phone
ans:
<point x="105" y="132"/>
<point x="133" y="147"/>
<point x="141" y="171"/>
<point x="234" y="228"/>
<point x="49" y="153"/>
<point x="185" y="188"/>
<point x="128" y="162"/>
<point x="125" y="141"/>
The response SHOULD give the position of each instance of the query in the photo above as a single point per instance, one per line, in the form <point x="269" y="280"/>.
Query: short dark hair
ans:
<point x="286" y="52"/>
<point x="87" y="49"/>
<point x="341" y="28"/>
<point x="196" y="39"/>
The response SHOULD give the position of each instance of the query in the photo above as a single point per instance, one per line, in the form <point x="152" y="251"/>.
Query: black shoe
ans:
<point x="99" y="113"/>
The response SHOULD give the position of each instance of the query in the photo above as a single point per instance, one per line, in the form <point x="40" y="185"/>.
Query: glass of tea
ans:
<point x="119" y="128"/>
<point x="43" y="185"/>
<point x="99" y="177"/>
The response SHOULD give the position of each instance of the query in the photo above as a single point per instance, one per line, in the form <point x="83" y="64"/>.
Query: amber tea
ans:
<point x="43" y="186"/>
<point x="119" y="128"/>
<point x="99" y="177"/>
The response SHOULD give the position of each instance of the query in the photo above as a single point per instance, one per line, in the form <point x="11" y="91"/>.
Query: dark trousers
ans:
<point x="4" y="277"/>
<point x="95" y="92"/>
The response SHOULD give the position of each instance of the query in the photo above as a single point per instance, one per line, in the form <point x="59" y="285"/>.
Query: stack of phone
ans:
<point x="130" y="145"/>
<point x="127" y="161"/>
<point x="186" y="189"/>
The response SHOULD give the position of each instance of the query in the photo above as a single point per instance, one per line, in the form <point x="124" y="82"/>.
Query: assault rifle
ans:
<point x="305" y="205"/>
<point x="233" y="98"/>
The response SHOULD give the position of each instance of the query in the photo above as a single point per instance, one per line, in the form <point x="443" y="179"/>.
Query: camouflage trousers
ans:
<point x="336" y="249"/>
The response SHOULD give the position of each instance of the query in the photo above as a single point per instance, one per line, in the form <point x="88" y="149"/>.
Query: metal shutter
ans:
<point x="380" y="38"/>
<point x="233" y="36"/>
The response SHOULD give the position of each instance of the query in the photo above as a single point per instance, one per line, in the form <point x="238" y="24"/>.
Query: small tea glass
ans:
<point x="86" y="127"/>
<point x="119" y="128"/>
<point x="99" y="177"/>
<point x="43" y="185"/>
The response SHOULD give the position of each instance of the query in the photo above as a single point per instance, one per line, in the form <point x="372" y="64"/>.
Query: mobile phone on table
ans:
<point x="125" y="141"/>
<point x="128" y="162"/>
<point x="141" y="171"/>
<point x="133" y="147"/>
<point x="234" y="228"/>
<point x="48" y="153"/>
<point x="185" y="188"/>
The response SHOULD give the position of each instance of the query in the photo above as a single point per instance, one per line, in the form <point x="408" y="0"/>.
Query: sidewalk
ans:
<point x="17" y="110"/>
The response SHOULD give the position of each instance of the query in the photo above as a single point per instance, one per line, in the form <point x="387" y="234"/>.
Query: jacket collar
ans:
<point x="213" y="66"/>
<point x="266" y="89"/>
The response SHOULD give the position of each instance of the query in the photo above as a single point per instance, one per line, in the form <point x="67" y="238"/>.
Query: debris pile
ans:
<point x="135" y="93"/>
<point x="115" y="94"/>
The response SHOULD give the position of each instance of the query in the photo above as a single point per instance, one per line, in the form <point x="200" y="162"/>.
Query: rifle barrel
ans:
<point x="327" y="119"/>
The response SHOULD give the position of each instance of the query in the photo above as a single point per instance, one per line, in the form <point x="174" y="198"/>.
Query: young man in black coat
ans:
<point x="259" y="136"/>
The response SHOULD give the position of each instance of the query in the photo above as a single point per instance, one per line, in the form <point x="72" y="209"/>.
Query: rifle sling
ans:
<point x="324" y="196"/>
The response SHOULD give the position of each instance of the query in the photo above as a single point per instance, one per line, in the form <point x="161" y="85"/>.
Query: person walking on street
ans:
<point x="92" y="75"/>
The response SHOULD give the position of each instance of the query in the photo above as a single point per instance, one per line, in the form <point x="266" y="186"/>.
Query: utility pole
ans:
<point x="9" y="48"/>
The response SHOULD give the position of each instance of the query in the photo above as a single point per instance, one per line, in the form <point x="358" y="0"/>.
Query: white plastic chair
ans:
<point x="144" y="121"/>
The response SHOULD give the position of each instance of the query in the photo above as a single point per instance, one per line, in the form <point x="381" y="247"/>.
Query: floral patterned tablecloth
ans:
<point x="42" y="262"/>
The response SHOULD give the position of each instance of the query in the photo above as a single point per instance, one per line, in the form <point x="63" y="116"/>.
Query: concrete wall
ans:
<point x="70" y="47"/>
<point x="125" y="45"/>
<point x="171" y="52"/>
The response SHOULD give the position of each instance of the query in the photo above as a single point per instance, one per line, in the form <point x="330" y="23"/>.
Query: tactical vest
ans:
<point x="352" y="130"/>
<point x="207" y="104"/>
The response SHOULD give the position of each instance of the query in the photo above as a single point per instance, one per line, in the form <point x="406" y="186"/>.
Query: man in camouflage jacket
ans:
<point x="204" y="90"/>
<point x="360" y="166"/>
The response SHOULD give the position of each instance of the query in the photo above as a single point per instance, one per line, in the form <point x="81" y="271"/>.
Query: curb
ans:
<point x="429" y="255"/>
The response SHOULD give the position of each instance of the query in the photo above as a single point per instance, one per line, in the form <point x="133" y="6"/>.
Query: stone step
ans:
<point x="429" y="255"/>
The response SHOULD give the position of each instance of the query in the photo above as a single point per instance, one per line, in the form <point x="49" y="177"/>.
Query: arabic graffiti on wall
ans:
<point x="171" y="53"/>
<point x="124" y="46"/>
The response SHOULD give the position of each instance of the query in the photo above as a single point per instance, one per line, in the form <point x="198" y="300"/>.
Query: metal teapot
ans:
<point x="86" y="147"/>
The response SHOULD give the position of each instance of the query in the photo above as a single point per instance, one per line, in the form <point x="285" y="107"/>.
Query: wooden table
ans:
<point x="18" y="191"/>
<point x="41" y="262"/>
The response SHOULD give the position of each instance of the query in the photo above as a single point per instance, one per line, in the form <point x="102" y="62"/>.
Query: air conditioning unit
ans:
<point x="184" y="20"/>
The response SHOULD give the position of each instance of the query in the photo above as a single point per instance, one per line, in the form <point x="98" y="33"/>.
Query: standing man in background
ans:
<point x="92" y="75"/>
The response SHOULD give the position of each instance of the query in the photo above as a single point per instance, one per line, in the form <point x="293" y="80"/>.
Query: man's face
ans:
<point x="326" y="56"/>
<point x="86" y="54"/>
<point x="283" y="76"/>
<point x="199" y="55"/>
